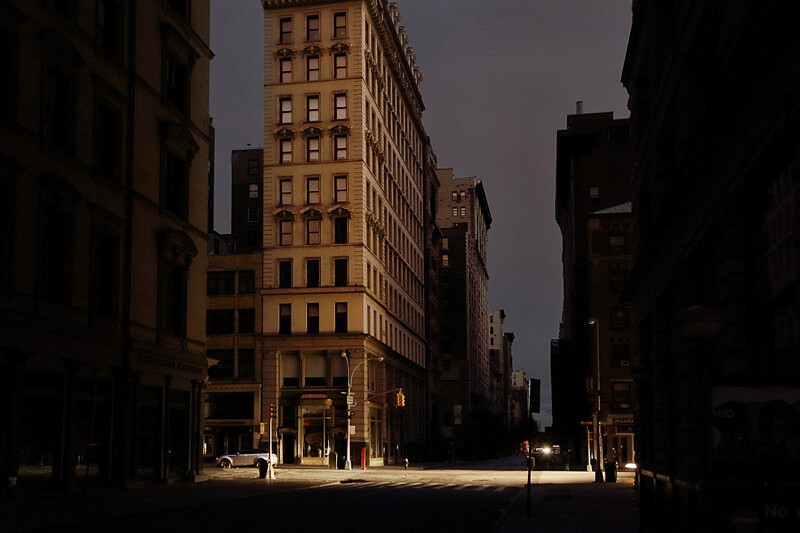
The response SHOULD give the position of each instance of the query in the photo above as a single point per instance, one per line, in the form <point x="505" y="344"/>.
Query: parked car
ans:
<point x="245" y="457"/>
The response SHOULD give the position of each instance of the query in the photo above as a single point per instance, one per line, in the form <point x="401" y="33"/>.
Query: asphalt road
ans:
<point x="482" y="497"/>
<point x="381" y="499"/>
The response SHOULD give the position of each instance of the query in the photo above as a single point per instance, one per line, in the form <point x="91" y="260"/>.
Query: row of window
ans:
<point x="109" y="19"/>
<point x="239" y="362"/>
<point x="312" y="111"/>
<point x="58" y="263"/>
<point x="314" y="369"/>
<point x="61" y="121"/>
<point x="224" y="321"/>
<point x="313" y="149"/>
<point x="312" y="190"/>
<point x="313" y="231"/>
<point x="312" y="273"/>
<point x="312" y="318"/>
<point x="313" y="68"/>
<point x="224" y="282"/>
<point x="312" y="27"/>
<point x="395" y="299"/>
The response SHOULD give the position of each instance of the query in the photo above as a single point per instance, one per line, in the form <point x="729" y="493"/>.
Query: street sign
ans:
<point x="350" y="400"/>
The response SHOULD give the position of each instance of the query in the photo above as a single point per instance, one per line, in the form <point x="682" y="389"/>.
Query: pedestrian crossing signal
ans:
<point x="400" y="399"/>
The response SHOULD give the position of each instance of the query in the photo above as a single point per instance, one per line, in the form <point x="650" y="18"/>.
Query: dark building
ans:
<point x="436" y="446"/>
<point x="247" y="177"/>
<point x="104" y="151"/>
<point x="593" y="211"/>
<point x="234" y="329"/>
<point x="464" y="218"/>
<point x="715" y="124"/>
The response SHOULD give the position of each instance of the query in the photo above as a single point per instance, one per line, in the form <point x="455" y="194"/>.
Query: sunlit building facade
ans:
<point x="344" y="183"/>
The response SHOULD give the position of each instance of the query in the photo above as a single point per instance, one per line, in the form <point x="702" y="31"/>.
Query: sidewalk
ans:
<point x="567" y="502"/>
<point x="37" y="509"/>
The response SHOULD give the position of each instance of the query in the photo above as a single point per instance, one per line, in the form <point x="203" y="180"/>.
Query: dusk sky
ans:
<point x="500" y="78"/>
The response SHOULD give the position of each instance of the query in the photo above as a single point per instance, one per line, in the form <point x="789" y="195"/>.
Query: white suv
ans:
<point x="246" y="457"/>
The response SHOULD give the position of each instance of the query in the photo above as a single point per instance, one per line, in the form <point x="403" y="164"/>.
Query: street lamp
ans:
<point x="598" y="473"/>
<point x="350" y="403"/>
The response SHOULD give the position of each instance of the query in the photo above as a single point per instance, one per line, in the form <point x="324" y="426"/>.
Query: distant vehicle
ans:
<point x="246" y="457"/>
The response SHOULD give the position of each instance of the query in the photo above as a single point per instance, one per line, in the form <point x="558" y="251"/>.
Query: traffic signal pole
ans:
<point x="270" y="468"/>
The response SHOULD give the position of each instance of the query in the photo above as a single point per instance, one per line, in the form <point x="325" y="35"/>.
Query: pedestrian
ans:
<point x="406" y="462"/>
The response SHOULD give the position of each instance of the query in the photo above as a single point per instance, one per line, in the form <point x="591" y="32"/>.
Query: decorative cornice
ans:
<point x="339" y="211"/>
<point x="386" y="18"/>
<point x="340" y="129"/>
<point x="339" y="47"/>
<point x="310" y="213"/>
<point x="283" y="214"/>
<point x="312" y="50"/>
<point x="176" y="246"/>
<point x="312" y="131"/>
<point x="284" y="52"/>
<point x="283" y="133"/>
<point x="277" y="4"/>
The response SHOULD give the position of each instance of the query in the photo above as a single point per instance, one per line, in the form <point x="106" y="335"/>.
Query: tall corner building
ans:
<point x="345" y="162"/>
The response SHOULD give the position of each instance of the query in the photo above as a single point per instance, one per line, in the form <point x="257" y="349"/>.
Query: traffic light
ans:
<point x="273" y="411"/>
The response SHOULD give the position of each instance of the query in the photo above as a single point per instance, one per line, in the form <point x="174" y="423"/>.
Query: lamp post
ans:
<point x="350" y="403"/>
<point x="598" y="473"/>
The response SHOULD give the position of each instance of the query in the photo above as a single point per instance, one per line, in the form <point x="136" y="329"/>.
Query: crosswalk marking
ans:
<point x="432" y="486"/>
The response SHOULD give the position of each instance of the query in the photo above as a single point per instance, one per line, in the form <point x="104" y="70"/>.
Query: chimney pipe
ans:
<point x="579" y="107"/>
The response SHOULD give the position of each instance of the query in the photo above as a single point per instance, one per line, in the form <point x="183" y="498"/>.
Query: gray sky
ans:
<point x="500" y="77"/>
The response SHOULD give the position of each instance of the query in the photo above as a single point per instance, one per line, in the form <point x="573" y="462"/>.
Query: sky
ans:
<point x="500" y="78"/>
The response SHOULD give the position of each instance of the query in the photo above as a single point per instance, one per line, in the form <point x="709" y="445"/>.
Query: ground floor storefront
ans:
<point x="120" y="418"/>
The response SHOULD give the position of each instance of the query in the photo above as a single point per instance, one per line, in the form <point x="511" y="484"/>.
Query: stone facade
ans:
<point x="104" y="137"/>
<point x="345" y="155"/>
